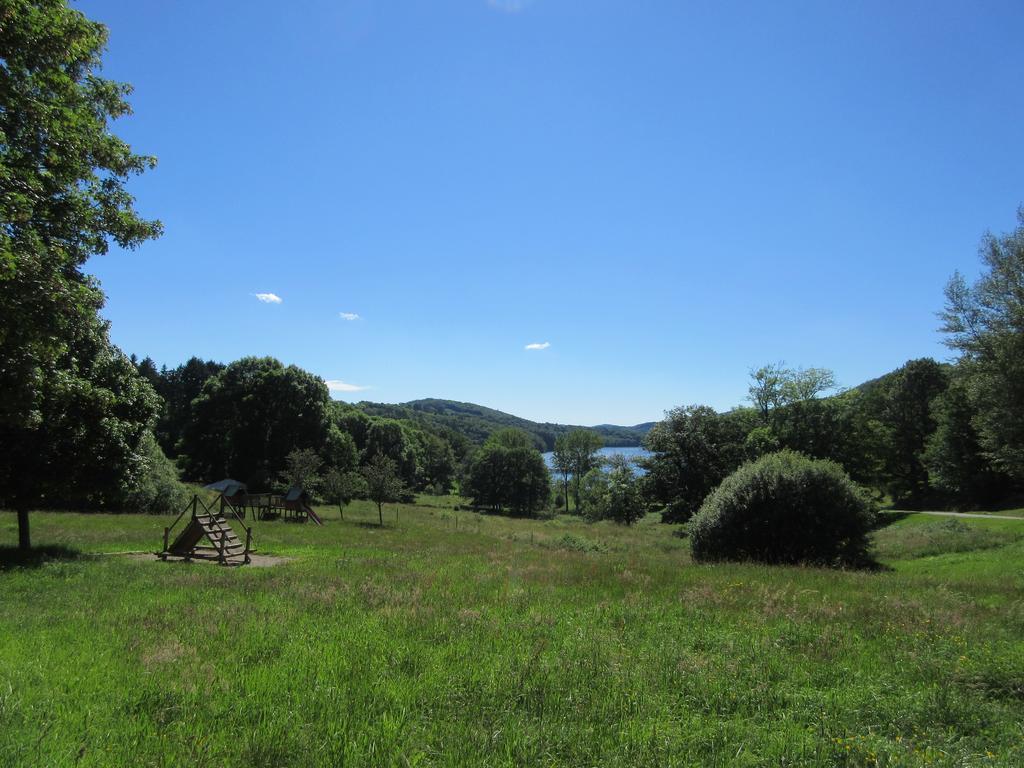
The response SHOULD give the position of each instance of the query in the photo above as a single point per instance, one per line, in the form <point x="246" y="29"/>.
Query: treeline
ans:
<point x="268" y="425"/>
<point x="245" y="419"/>
<point x="928" y="434"/>
<point x="879" y="436"/>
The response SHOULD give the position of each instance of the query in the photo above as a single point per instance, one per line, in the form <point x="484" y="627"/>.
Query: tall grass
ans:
<point x="498" y="643"/>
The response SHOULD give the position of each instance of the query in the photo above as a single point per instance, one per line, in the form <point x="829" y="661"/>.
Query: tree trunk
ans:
<point x="380" y="513"/>
<point x="341" y="511"/>
<point x="24" y="541"/>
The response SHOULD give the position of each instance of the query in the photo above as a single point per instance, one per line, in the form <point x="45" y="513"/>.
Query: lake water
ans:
<point x="631" y="453"/>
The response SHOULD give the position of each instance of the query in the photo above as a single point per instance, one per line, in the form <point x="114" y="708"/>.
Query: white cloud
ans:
<point x="348" y="315"/>
<point x="268" y="298"/>
<point x="337" y="385"/>
<point x="509" y="6"/>
<point x="538" y="345"/>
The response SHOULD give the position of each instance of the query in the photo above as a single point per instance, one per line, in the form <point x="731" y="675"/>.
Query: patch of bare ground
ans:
<point x="256" y="561"/>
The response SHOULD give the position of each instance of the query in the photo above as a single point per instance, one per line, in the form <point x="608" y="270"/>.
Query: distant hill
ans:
<point x="477" y="422"/>
<point x="872" y="385"/>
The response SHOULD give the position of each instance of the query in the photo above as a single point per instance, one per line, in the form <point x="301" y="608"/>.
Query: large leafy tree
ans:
<point x="340" y="450"/>
<point x="955" y="461"/>
<point x="249" y="417"/>
<point x="509" y="474"/>
<point x="302" y="467"/>
<point x="575" y="455"/>
<point x="693" y="450"/>
<point x="766" y="389"/>
<point x="562" y="462"/>
<point x="613" y="493"/>
<point x="73" y="409"/>
<point x="354" y="423"/>
<point x="438" y="463"/>
<point x="391" y="438"/>
<point x="903" y="404"/>
<point x="984" y="322"/>
<point x="844" y="428"/>
<point x="774" y="386"/>
<point x="795" y="414"/>
<point x="178" y="387"/>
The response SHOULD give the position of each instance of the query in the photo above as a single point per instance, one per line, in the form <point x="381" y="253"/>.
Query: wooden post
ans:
<point x="24" y="539"/>
<point x="167" y="532"/>
<point x="195" y="504"/>
<point x="248" y="541"/>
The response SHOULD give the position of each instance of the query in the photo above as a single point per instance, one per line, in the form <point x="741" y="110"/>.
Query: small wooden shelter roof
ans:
<point x="295" y="493"/>
<point x="228" y="487"/>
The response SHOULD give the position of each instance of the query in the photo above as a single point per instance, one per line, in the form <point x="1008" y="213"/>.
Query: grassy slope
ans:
<point x="502" y="643"/>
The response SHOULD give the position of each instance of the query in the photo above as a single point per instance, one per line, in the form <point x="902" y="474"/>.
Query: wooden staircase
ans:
<point x="223" y="544"/>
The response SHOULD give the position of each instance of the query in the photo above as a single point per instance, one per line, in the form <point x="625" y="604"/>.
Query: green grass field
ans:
<point x="508" y="642"/>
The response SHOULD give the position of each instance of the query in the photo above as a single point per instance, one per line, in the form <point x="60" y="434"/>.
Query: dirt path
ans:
<point x="977" y="515"/>
<point x="255" y="561"/>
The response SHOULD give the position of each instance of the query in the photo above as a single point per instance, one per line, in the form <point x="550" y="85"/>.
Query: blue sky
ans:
<point x="666" y="194"/>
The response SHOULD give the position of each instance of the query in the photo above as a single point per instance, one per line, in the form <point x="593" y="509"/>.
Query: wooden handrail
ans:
<point x="241" y="522"/>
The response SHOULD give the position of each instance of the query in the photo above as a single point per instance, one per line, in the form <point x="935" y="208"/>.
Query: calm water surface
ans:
<point x="630" y="453"/>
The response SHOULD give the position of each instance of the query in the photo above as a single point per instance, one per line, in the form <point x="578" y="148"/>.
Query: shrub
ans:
<point x="613" y="494"/>
<point x="572" y="543"/>
<point x="593" y="495"/>
<point x="157" y="490"/>
<point x="785" y="508"/>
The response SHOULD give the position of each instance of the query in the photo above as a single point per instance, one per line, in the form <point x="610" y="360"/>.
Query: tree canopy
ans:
<point x="383" y="483"/>
<point x="249" y="417"/>
<point x="73" y="410"/>
<point x="509" y="474"/>
<point x="613" y="493"/>
<point x="693" y="450"/>
<point x="984" y="322"/>
<point x="575" y="454"/>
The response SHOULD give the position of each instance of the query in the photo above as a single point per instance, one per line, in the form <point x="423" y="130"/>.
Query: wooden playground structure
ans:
<point x="211" y="522"/>
<point x="293" y="505"/>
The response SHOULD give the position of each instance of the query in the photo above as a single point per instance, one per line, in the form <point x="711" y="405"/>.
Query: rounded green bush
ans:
<point x="785" y="508"/>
